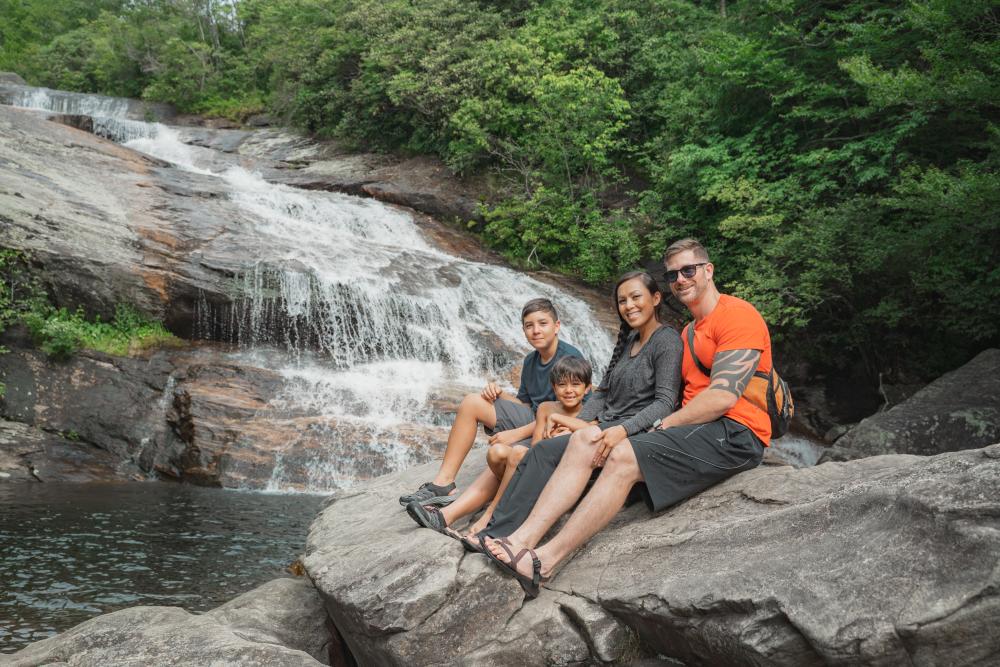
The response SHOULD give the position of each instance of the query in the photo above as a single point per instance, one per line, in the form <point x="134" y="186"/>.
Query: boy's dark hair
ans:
<point x="536" y="305"/>
<point x="571" y="368"/>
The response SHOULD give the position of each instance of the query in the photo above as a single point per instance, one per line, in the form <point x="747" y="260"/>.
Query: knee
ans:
<point x="471" y="402"/>
<point x="622" y="462"/>
<point x="497" y="454"/>
<point x="583" y="439"/>
<point x="516" y="455"/>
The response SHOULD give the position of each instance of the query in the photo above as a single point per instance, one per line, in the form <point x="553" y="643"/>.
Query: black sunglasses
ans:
<point x="686" y="271"/>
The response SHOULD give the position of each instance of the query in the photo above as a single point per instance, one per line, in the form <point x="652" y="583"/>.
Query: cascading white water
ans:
<point x="376" y="320"/>
<point x="96" y="106"/>
<point x="110" y="114"/>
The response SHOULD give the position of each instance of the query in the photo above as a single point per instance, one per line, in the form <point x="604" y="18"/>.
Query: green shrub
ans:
<point x="61" y="333"/>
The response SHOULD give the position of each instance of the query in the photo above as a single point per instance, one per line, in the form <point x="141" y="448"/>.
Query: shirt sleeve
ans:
<point x="745" y="330"/>
<point x="522" y="390"/>
<point x="593" y="406"/>
<point x="667" y="368"/>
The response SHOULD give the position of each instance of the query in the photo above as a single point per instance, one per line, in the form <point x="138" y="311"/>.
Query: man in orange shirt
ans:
<point x="715" y="434"/>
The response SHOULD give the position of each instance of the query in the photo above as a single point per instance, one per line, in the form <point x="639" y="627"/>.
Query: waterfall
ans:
<point x="114" y="117"/>
<point x="372" y="319"/>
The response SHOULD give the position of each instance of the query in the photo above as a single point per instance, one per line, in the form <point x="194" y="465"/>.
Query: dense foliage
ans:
<point x="839" y="158"/>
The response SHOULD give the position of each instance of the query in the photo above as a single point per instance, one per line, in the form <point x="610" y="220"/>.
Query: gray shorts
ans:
<point x="678" y="462"/>
<point x="510" y="415"/>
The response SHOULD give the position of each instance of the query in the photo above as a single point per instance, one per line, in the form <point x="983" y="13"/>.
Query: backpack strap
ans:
<point x="694" y="357"/>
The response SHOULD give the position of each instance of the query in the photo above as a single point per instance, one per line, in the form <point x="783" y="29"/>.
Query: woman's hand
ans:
<point x="608" y="440"/>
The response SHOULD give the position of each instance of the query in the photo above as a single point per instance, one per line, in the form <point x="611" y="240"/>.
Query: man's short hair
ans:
<point x="683" y="245"/>
<point x="571" y="368"/>
<point x="539" y="305"/>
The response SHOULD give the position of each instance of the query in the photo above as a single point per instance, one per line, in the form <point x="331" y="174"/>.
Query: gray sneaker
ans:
<point x="430" y="494"/>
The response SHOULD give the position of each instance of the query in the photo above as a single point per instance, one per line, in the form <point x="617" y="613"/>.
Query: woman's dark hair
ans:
<point x="649" y="282"/>
<point x="571" y="368"/>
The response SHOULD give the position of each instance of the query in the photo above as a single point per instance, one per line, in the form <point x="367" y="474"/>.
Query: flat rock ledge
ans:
<point x="889" y="560"/>
<point x="279" y="623"/>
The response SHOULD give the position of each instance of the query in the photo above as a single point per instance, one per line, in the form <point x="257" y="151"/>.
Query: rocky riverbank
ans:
<point x="882" y="561"/>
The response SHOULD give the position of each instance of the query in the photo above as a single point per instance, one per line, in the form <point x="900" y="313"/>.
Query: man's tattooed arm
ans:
<point x="732" y="370"/>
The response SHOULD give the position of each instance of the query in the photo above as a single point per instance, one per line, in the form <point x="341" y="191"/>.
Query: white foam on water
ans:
<point x="800" y="452"/>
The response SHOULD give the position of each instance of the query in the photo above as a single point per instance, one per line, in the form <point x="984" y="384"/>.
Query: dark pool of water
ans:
<point x="69" y="552"/>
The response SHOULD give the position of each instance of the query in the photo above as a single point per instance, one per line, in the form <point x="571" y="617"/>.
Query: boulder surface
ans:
<point x="959" y="410"/>
<point x="279" y="623"/>
<point x="882" y="561"/>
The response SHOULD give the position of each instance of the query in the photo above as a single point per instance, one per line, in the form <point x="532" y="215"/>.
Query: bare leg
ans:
<point x="473" y="411"/>
<point x="512" y="460"/>
<point x="496" y="459"/>
<point x="607" y="496"/>
<point x="471" y="499"/>
<point x="563" y="489"/>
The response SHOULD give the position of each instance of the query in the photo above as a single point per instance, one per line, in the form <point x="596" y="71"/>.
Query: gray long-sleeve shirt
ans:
<point x="643" y="388"/>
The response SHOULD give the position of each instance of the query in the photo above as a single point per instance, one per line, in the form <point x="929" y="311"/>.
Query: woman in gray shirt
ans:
<point x="641" y="386"/>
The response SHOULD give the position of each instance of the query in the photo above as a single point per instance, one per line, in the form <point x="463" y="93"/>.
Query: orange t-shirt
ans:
<point x="733" y="324"/>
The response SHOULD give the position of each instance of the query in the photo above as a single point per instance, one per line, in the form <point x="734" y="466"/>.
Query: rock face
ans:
<point x="31" y="454"/>
<point x="959" y="410"/>
<point x="882" y="561"/>
<point x="105" y="225"/>
<point x="11" y="77"/>
<point x="200" y="414"/>
<point x="422" y="183"/>
<point x="279" y="623"/>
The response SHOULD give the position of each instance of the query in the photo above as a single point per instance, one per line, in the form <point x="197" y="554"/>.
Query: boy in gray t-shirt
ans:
<point x="507" y="419"/>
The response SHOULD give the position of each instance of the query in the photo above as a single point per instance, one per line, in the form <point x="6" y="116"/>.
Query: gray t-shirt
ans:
<point x="643" y="388"/>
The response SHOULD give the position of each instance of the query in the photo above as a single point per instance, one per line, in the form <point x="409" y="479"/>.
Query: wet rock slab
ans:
<point x="200" y="414"/>
<point x="882" y="561"/>
<point x="279" y="623"/>
<point x="31" y="454"/>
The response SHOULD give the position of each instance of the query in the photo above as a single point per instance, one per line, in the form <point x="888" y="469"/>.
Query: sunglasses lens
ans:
<point x="689" y="271"/>
<point x="670" y="276"/>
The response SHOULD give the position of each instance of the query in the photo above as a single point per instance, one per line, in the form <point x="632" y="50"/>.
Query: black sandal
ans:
<point x="471" y="543"/>
<point x="532" y="584"/>
<point x="429" y="516"/>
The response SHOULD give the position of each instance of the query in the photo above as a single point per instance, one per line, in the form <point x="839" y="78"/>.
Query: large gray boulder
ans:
<point x="279" y="623"/>
<point x="883" y="561"/>
<point x="959" y="410"/>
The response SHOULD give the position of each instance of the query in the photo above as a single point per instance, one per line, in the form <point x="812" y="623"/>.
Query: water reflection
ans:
<point x="69" y="552"/>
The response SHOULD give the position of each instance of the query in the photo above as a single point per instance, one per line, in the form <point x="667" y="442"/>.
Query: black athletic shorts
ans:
<point x="680" y="461"/>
